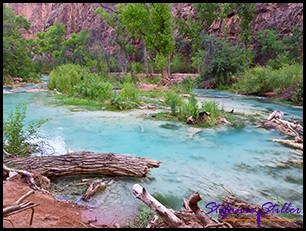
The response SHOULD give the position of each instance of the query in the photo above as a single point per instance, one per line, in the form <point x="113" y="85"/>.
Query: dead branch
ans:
<point x="20" y="206"/>
<point x="166" y="214"/>
<point x="152" y="222"/>
<point x="290" y="143"/>
<point x="93" y="188"/>
<point x="193" y="205"/>
<point x="26" y="174"/>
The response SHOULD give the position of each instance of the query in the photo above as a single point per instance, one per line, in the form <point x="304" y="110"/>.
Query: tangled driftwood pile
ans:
<point x="194" y="217"/>
<point x="286" y="127"/>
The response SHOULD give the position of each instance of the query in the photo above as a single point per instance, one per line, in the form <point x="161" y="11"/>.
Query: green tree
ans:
<point x="17" y="51"/>
<point x="135" y="18"/>
<point x="245" y="12"/>
<point x="50" y="43"/>
<point x="122" y="38"/>
<point x="160" y="36"/>
<point x="191" y="29"/>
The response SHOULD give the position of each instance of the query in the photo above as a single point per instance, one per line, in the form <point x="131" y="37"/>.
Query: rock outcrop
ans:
<point x="81" y="16"/>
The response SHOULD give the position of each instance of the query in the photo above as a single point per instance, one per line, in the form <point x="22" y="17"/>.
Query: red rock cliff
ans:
<point x="81" y="16"/>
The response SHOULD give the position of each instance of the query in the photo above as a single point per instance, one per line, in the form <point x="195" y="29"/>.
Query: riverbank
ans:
<point x="50" y="212"/>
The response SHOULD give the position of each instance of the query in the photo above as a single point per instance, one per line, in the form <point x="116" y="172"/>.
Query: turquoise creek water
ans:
<point x="241" y="160"/>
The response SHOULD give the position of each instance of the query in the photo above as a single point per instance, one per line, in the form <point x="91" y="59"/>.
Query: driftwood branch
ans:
<point x="166" y="214"/>
<point x="20" y="206"/>
<point x="289" y="128"/>
<point x="193" y="205"/>
<point x="81" y="163"/>
<point x="24" y="173"/>
<point x="290" y="143"/>
<point x="93" y="188"/>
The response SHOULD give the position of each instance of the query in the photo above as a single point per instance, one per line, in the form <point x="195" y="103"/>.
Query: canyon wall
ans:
<point x="81" y="16"/>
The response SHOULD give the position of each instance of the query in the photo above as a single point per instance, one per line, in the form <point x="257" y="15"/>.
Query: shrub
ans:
<point x="265" y="79"/>
<point x="65" y="77"/>
<point x="179" y="64"/>
<point x="130" y="91"/>
<point x="213" y="108"/>
<point x="173" y="100"/>
<point x="17" y="136"/>
<point x="222" y="60"/>
<point x="187" y="85"/>
<point x="189" y="108"/>
<point x="127" y="98"/>
<point x="138" y="67"/>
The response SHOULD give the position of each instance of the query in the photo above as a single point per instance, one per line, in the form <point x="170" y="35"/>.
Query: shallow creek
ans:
<point x="241" y="160"/>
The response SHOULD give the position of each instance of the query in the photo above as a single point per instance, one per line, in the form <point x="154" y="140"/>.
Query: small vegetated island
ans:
<point x="153" y="60"/>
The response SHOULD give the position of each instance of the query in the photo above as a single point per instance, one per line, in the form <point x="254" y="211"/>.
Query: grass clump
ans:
<point x="144" y="216"/>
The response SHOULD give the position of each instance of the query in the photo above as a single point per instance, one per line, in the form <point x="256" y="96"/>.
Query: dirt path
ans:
<point x="50" y="213"/>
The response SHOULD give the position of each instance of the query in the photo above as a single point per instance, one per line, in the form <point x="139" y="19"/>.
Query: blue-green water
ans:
<point x="210" y="161"/>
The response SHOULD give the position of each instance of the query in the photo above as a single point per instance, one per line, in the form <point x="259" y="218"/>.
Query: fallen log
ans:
<point x="166" y="214"/>
<point x="276" y="114"/>
<point x="250" y="219"/>
<point x="290" y="143"/>
<point x="81" y="163"/>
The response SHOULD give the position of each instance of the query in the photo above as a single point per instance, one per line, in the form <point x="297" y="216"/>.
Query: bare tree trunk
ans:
<point x="78" y="163"/>
<point x="145" y="58"/>
<point x="169" y="66"/>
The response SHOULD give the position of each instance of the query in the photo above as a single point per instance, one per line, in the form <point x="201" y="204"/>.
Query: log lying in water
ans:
<point x="290" y="143"/>
<point x="93" y="188"/>
<point x="81" y="163"/>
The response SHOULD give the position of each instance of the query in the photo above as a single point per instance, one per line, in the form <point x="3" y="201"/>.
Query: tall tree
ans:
<point x="135" y="17"/>
<point x="245" y="12"/>
<point x="50" y="42"/>
<point x="160" y="36"/>
<point x="190" y="30"/>
<point x="112" y="17"/>
<point x="17" y="51"/>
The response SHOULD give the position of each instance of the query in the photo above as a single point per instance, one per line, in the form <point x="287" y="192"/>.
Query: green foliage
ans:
<point x="173" y="100"/>
<point x="17" y="135"/>
<point x="17" y="51"/>
<point x="77" y="81"/>
<point x="221" y="60"/>
<point x="138" y="67"/>
<point x="189" y="108"/>
<point x="144" y="216"/>
<point x="246" y="13"/>
<point x="213" y="107"/>
<point x="266" y="79"/>
<point x="278" y="51"/>
<point x="198" y="60"/>
<point x="179" y="64"/>
<point x="130" y="91"/>
<point x="187" y="85"/>
<point x="128" y="97"/>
